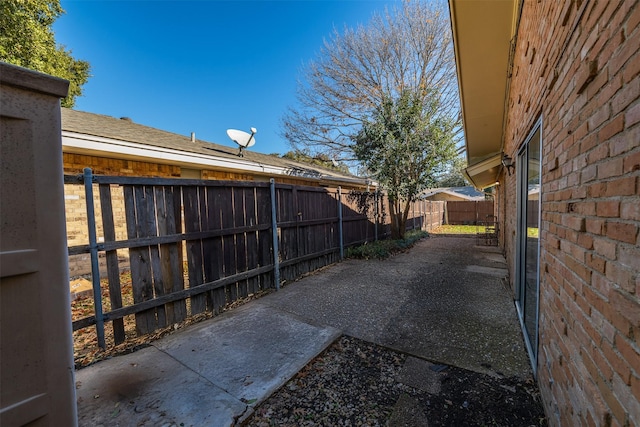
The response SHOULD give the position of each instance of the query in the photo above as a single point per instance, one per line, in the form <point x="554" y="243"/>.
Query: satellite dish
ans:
<point x="242" y="138"/>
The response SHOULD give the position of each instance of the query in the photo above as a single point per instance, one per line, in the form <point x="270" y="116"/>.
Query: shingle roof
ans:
<point x="125" y="130"/>
<point x="465" y="192"/>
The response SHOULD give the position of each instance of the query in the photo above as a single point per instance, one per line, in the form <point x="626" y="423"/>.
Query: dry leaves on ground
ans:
<point x="356" y="383"/>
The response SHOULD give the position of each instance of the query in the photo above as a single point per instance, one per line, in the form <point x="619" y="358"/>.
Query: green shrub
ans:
<point x="384" y="248"/>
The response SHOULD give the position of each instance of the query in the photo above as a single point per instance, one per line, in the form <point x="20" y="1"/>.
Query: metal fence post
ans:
<point x="413" y="214"/>
<point x="340" y="229"/>
<point x="274" y="228"/>
<point x="423" y="214"/>
<point x="375" y="214"/>
<point x="93" y="248"/>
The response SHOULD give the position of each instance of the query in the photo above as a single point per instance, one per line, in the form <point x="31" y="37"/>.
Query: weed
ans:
<point x="384" y="248"/>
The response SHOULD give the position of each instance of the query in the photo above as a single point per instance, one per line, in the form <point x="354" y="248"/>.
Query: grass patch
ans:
<point x="456" y="229"/>
<point x="384" y="248"/>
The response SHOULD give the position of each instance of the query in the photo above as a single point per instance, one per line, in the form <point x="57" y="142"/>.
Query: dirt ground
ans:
<point x="362" y="384"/>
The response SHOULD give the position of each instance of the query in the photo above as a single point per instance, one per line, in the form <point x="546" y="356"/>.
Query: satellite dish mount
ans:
<point x="242" y="138"/>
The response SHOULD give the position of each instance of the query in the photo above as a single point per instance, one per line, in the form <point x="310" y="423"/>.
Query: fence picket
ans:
<point x="192" y="220"/>
<point x="251" y="238"/>
<point x="151" y="230"/>
<point x="228" y="240"/>
<point x="212" y="249"/>
<point x="113" y="269"/>
<point x="173" y="199"/>
<point x="265" y="236"/>
<point x="139" y="259"/>
<point x="163" y="282"/>
<point x="240" y="247"/>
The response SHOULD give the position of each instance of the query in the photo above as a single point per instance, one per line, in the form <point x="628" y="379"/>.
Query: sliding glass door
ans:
<point x="528" y="241"/>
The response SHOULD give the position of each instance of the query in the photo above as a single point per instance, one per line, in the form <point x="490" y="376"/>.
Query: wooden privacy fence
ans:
<point x="533" y="213"/>
<point x="197" y="245"/>
<point x="468" y="212"/>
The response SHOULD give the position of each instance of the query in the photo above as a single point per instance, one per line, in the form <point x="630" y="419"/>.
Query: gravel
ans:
<point x="356" y="383"/>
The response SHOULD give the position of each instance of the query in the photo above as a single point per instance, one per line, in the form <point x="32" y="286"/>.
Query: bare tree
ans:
<point x="406" y="48"/>
<point x="384" y="97"/>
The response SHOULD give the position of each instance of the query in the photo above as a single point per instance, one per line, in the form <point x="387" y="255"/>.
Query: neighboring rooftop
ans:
<point x="467" y="193"/>
<point x="96" y="134"/>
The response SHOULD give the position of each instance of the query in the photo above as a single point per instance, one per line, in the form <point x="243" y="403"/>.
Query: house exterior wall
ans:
<point x="577" y="66"/>
<point x="75" y="164"/>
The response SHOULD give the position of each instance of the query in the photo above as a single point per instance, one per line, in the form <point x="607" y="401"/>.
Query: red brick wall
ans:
<point x="75" y="163"/>
<point x="589" y="353"/>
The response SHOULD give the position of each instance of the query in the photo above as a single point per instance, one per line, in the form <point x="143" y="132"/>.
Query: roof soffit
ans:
<point x="483" y="30"/>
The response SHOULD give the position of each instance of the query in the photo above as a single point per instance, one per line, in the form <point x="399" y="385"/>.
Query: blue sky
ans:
<point x="201" y="66"/>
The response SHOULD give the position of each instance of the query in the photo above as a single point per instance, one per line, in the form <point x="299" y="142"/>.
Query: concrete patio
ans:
<point x="442" y="301"/>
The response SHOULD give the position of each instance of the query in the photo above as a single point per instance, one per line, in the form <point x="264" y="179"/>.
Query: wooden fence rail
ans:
<point x="198" y="245"/>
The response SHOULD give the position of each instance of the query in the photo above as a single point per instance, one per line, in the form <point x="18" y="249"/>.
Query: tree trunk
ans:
<point x="405" y="215"/>
<point x="398" y="211"/>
